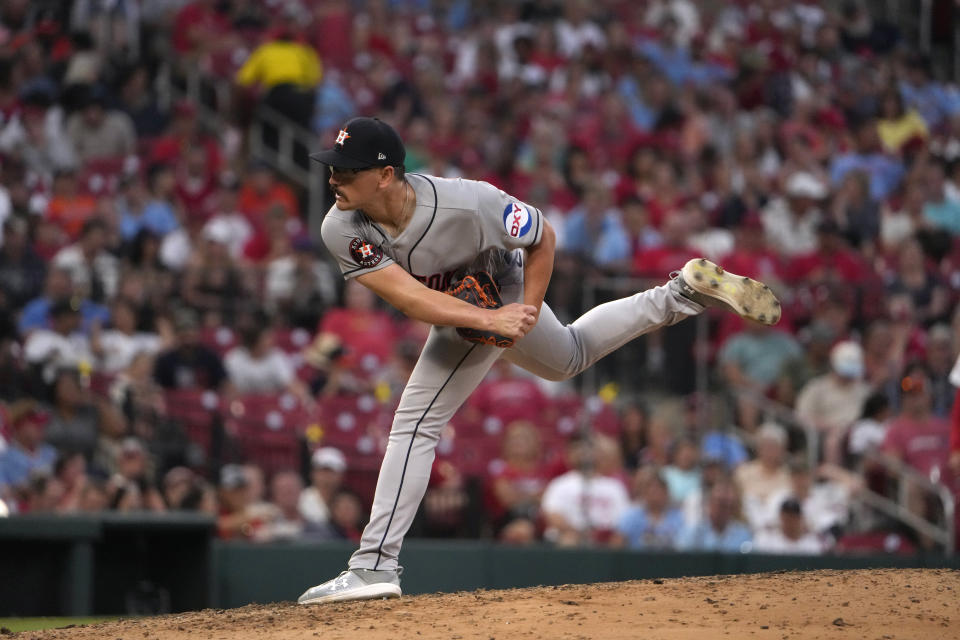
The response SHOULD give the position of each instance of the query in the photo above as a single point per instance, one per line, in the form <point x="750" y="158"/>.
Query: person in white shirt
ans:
<point x="60" y="347"/>
<point x="118" y="346"/>
<point x="327" y="466"/>
<point x="299" y="285"/>
<point x="92" y="268"/>
<point x="587" y="503"/>
<point x="833" y="401"/>
<point x="256" y="366"/>
<point x="791" y="537"/>
<point x="824" y="497"/>
<point x="768" y="474"/>
<point x="790" y="223"/>
<point x="868" y="433"/>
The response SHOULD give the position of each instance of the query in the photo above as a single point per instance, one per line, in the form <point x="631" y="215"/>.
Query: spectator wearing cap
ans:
<point x="791" y="536"/>
<point x="916" y="436"/>
<point x="824" y="493"/>
<point x="767" y="474"/>
<point x="816" y="340"/>
<point x="718" y="527"/>
<point x="653" y="523"/>
<point x="92" y="267"/>
<point x="188" y="364"/>
<point x="27" y="453"/>
<point x="97" y="131"/>
<point x="327" y="466"/>
<point x="286" y="69"/>
<point x="234" y="517"/>
<point x="22" y="271"/>
<point x="299" y="286"/>
<point x="790" y="222"/>
<point x="831" y="402"/>
<point x="61" y="346"/>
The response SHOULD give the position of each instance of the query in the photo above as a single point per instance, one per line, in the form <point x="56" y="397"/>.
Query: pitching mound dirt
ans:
<point x="882" y="605"/>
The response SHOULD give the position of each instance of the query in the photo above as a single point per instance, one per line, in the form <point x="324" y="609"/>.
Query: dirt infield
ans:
<point x="883" y="605"/>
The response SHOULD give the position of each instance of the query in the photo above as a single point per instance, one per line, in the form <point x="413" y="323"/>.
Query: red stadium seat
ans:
<point x="268" y="429"/>
<point x="198" y="410"/>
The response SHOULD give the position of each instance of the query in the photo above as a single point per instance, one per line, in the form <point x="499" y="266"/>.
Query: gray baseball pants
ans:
<point x="448" y="371"/>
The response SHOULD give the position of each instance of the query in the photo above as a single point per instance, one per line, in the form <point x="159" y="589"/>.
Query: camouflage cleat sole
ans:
<point x="709" y="284"/>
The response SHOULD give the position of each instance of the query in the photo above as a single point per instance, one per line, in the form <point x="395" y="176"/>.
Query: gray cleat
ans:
<point x="709" y="285"/>
<point x="355" y="584"/>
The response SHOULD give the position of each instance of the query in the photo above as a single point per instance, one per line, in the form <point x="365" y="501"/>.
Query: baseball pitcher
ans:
<point x="474" y="263"/>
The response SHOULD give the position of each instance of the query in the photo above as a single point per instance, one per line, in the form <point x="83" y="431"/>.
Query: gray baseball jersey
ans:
<point x="460" y="226"/>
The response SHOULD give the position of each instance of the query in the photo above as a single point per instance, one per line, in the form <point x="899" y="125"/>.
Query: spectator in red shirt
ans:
<point x="832" y="262"/>
<point x="658" y="262"/>
<point x="517" y="486"/>
<point x="507" y="397"/>
<point x="368" y="333"/>
<point x="201" y="27"/>
<point x="916" y="436"/>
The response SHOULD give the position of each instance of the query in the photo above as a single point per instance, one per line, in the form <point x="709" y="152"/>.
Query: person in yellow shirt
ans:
<point x="286" y="70"/>
<point x="896" y="126"/>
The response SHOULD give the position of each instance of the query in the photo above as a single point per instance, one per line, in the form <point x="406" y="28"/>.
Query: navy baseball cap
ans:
<point x="363" y="143"/>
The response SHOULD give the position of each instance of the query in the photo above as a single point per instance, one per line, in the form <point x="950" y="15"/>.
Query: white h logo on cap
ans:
<point x="342" y="137"/>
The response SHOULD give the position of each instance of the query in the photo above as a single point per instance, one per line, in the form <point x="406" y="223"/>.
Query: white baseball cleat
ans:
<point x="709" y="285"/>
<point x="355" y="584"/>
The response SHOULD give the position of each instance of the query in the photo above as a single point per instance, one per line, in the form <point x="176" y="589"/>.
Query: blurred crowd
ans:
<point x="172" y="338"/>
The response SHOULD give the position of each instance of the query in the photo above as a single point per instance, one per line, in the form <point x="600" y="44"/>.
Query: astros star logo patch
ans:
<point x="364" y="253"/>
<point x="342" y="137"/>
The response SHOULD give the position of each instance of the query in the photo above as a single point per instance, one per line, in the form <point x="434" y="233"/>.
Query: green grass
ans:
<point x="35" y="624"/>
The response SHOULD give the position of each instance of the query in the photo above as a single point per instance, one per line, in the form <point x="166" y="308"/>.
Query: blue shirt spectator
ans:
<point x="156" y="216"/>
<point x="35" y="315"/>
<point x="717" y="530"/>
<point x="934" y="102"/>
<point x="595" y="231"/>
<point x="885" y="172"/>
<point x="724" y="447"/>
<point x="653" y="524"/>
<point x="27" y="452"/>
<point x="943" y="215"/>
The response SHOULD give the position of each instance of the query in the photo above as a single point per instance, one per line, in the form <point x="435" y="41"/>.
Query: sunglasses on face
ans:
<point x="347" y="175"/>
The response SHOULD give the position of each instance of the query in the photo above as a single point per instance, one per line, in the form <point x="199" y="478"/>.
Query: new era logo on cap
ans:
<point x="380" y="156"/>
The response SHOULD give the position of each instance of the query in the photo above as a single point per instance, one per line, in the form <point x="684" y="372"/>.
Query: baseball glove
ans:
<point x="480" y="290"/>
